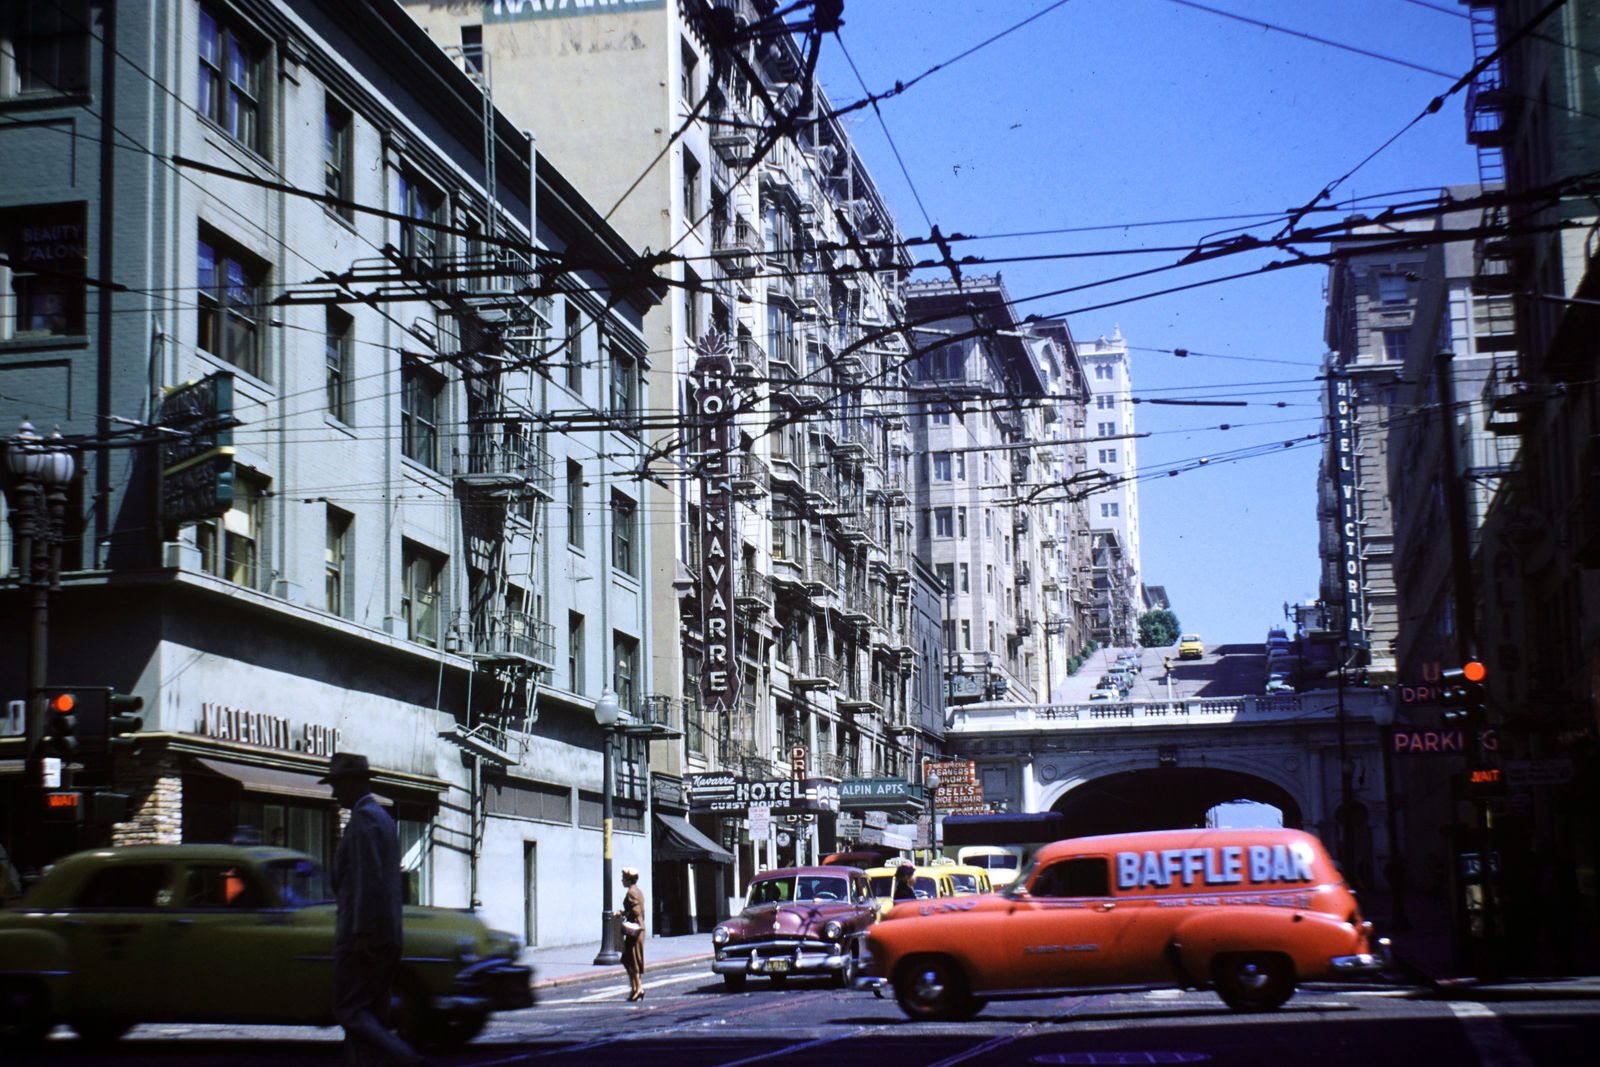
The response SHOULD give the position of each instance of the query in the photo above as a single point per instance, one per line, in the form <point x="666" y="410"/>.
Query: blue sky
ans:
<point x="1115" y="112"/>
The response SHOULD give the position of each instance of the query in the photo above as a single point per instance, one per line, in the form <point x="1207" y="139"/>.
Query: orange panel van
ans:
<point x="1248" y="913"/>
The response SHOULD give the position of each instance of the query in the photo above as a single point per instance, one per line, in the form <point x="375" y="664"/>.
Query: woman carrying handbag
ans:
<point x="633" y="933"/>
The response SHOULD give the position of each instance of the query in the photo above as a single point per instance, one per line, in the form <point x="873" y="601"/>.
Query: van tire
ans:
<point x="934" y="989"/>
<point x="1254" y="981"/>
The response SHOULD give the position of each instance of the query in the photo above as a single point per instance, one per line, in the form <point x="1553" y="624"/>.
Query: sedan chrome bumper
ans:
<point x="876" y="985"/>
<point x="800" y="962"/>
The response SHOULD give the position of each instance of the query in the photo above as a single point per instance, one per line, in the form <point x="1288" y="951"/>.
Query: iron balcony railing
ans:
<point x="499" y="459"/>
<point x="750" y="358"/>
<point x="514" y="635"/>
<point x="750" y="475"/>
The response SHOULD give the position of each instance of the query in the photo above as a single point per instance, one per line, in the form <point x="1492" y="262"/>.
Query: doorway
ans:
<point x="530" y="893"/>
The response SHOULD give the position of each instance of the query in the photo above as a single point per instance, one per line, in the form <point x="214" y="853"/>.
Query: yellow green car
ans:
<point x="218" y="933"/>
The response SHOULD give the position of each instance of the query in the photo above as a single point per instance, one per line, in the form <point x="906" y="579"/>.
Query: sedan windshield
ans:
<point x="298" y="882"/>
<point x="806" y="887"/>
<point x="965" y="883"/>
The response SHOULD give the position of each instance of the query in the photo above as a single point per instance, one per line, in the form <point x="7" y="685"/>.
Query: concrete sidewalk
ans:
<point x="565" y="964"/>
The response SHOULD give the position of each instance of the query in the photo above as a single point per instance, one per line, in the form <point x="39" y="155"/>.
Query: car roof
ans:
<point x="1146" y="840"/>
<point x="62" y="884"/>
<point x="832" y="871"/>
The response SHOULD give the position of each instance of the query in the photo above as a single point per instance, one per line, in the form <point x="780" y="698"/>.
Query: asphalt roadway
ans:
<point x="688" y="1020"/>
<point x="1224" y="671"/>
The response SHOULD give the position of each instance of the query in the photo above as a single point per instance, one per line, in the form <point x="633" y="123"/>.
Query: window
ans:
<point x="574" y="505"/>
<point x="961" y="467"/>
<point x="941" y="415"/>
<point x="1105" y="402"/>
<point x="337" y="332"/>
<point x="51" y="238"/>
<point x="419" y="240"/>
<point x="687" y="74"/>
<point x="575" y="652"/>
<point x="52" y="46"/>
<point x="691" y="189"/>
<point x="1104" y="372"/>
<point x="1107" y="429"/>
<point x="336" y="563"/>
<point x="126" y="885"/>
<point x="622" y="382"/>
<point x="624" y="515"/>
<point x="1391" y="288"/>
<point x="941" y="466"/>
<point x="988" y="579"/>
<point x="218" y="886"/>
<point x="947" y="362"/>
<point x="574" y="348"/>
<point x="1108" y="511"/>
<point x="1108" y="455"/>
<point x="941" y="522"/>
<point x="419" y="414"/>
<point x="991" y="643"/>
<point x="947" y="577"/>
<point x="230" y="81"/>
<point x="472" y="48"/>
<point x="988" y="524"/>
<point x="336" y="161"/>
<point x="966" y="635"/>
<point x="1089" y="876"/>
<point x="961" y="522"/>
<point x="624" y="671"/>
<point x="420" y="602"/>
<point x="229" y="545"/>
<point x="230" y="300"/>
<point x="1395" y="344"/>
<point x="965" y="584"/>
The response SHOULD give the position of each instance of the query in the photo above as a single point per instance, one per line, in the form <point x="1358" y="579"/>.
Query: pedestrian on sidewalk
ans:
<point x="633" y="933"/>
<point x="367" y="932"/>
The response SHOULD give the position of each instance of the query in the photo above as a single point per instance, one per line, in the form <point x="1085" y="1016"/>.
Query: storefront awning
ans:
<point x="676" y="839"/>
<point x="270" y="779"/>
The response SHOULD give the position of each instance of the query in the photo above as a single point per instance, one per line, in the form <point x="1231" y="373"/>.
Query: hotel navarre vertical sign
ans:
<point x="712" y="397"/>
<point x="1342" y="431"/>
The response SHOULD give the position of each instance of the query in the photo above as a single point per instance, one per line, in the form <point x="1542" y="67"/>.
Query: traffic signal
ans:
<point x="1463" y="695"/>
<point x="61" y="710"/>
<point x="120" y="722"/>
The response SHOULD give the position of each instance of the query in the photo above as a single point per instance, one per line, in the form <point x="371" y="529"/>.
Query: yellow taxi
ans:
<point x="929" y="882"/>
<point x="967" y="881"/>
<point x="1191" y="647"/>
<point x="1247" y="913"/>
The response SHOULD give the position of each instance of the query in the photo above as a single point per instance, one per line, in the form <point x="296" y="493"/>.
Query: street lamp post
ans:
<point x="931" y="780"/>
<point x="606" y="713"/>
<point x="41" y="469"/>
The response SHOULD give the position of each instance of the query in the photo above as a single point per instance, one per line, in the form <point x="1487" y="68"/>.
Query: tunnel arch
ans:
<point x="1165" y="799"/>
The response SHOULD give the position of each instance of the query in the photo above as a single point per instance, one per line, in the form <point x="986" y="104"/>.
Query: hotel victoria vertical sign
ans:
<point x="712" y="387"/>
<point x="1342" y="431"/>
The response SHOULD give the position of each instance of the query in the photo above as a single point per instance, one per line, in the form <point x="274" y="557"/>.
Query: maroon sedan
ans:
<point x="798" y="920"/>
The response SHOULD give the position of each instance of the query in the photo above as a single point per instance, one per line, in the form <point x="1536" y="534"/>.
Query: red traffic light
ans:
<point x="63" y="703"/>
<point x="1473" y="671"/>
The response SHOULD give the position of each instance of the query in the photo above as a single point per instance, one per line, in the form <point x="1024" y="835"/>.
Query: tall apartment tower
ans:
<point x="1371" y="305"/>
<point x="660" y="112"/>
<point x="1113" y="512"/>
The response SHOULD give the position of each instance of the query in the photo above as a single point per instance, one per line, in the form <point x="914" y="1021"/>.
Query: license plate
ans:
<point x="777" y="965"/>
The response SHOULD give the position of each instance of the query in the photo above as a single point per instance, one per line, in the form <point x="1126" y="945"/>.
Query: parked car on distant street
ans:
<point x="1191" y="647"/>
<point x="226" y="934"/>
<point x="797" y="920"/>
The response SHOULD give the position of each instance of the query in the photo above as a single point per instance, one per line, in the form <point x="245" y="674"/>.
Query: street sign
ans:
<point x="953" y="772"/>
<point x="848" y="827"/>
<point x="874" y="792"/>
<point x="760" y="823"/>
<point x="951" y="795"/>
<point x="1428" y="742"/>
<point x="197" y="462"/>
<point x="1526" y="772"/>
<point x="721" y="791"/>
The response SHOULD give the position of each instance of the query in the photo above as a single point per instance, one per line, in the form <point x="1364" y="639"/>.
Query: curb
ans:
<point x="613" y="972"/>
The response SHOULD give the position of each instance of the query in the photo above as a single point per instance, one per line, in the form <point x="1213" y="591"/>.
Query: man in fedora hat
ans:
<point x="367" y="936"/>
